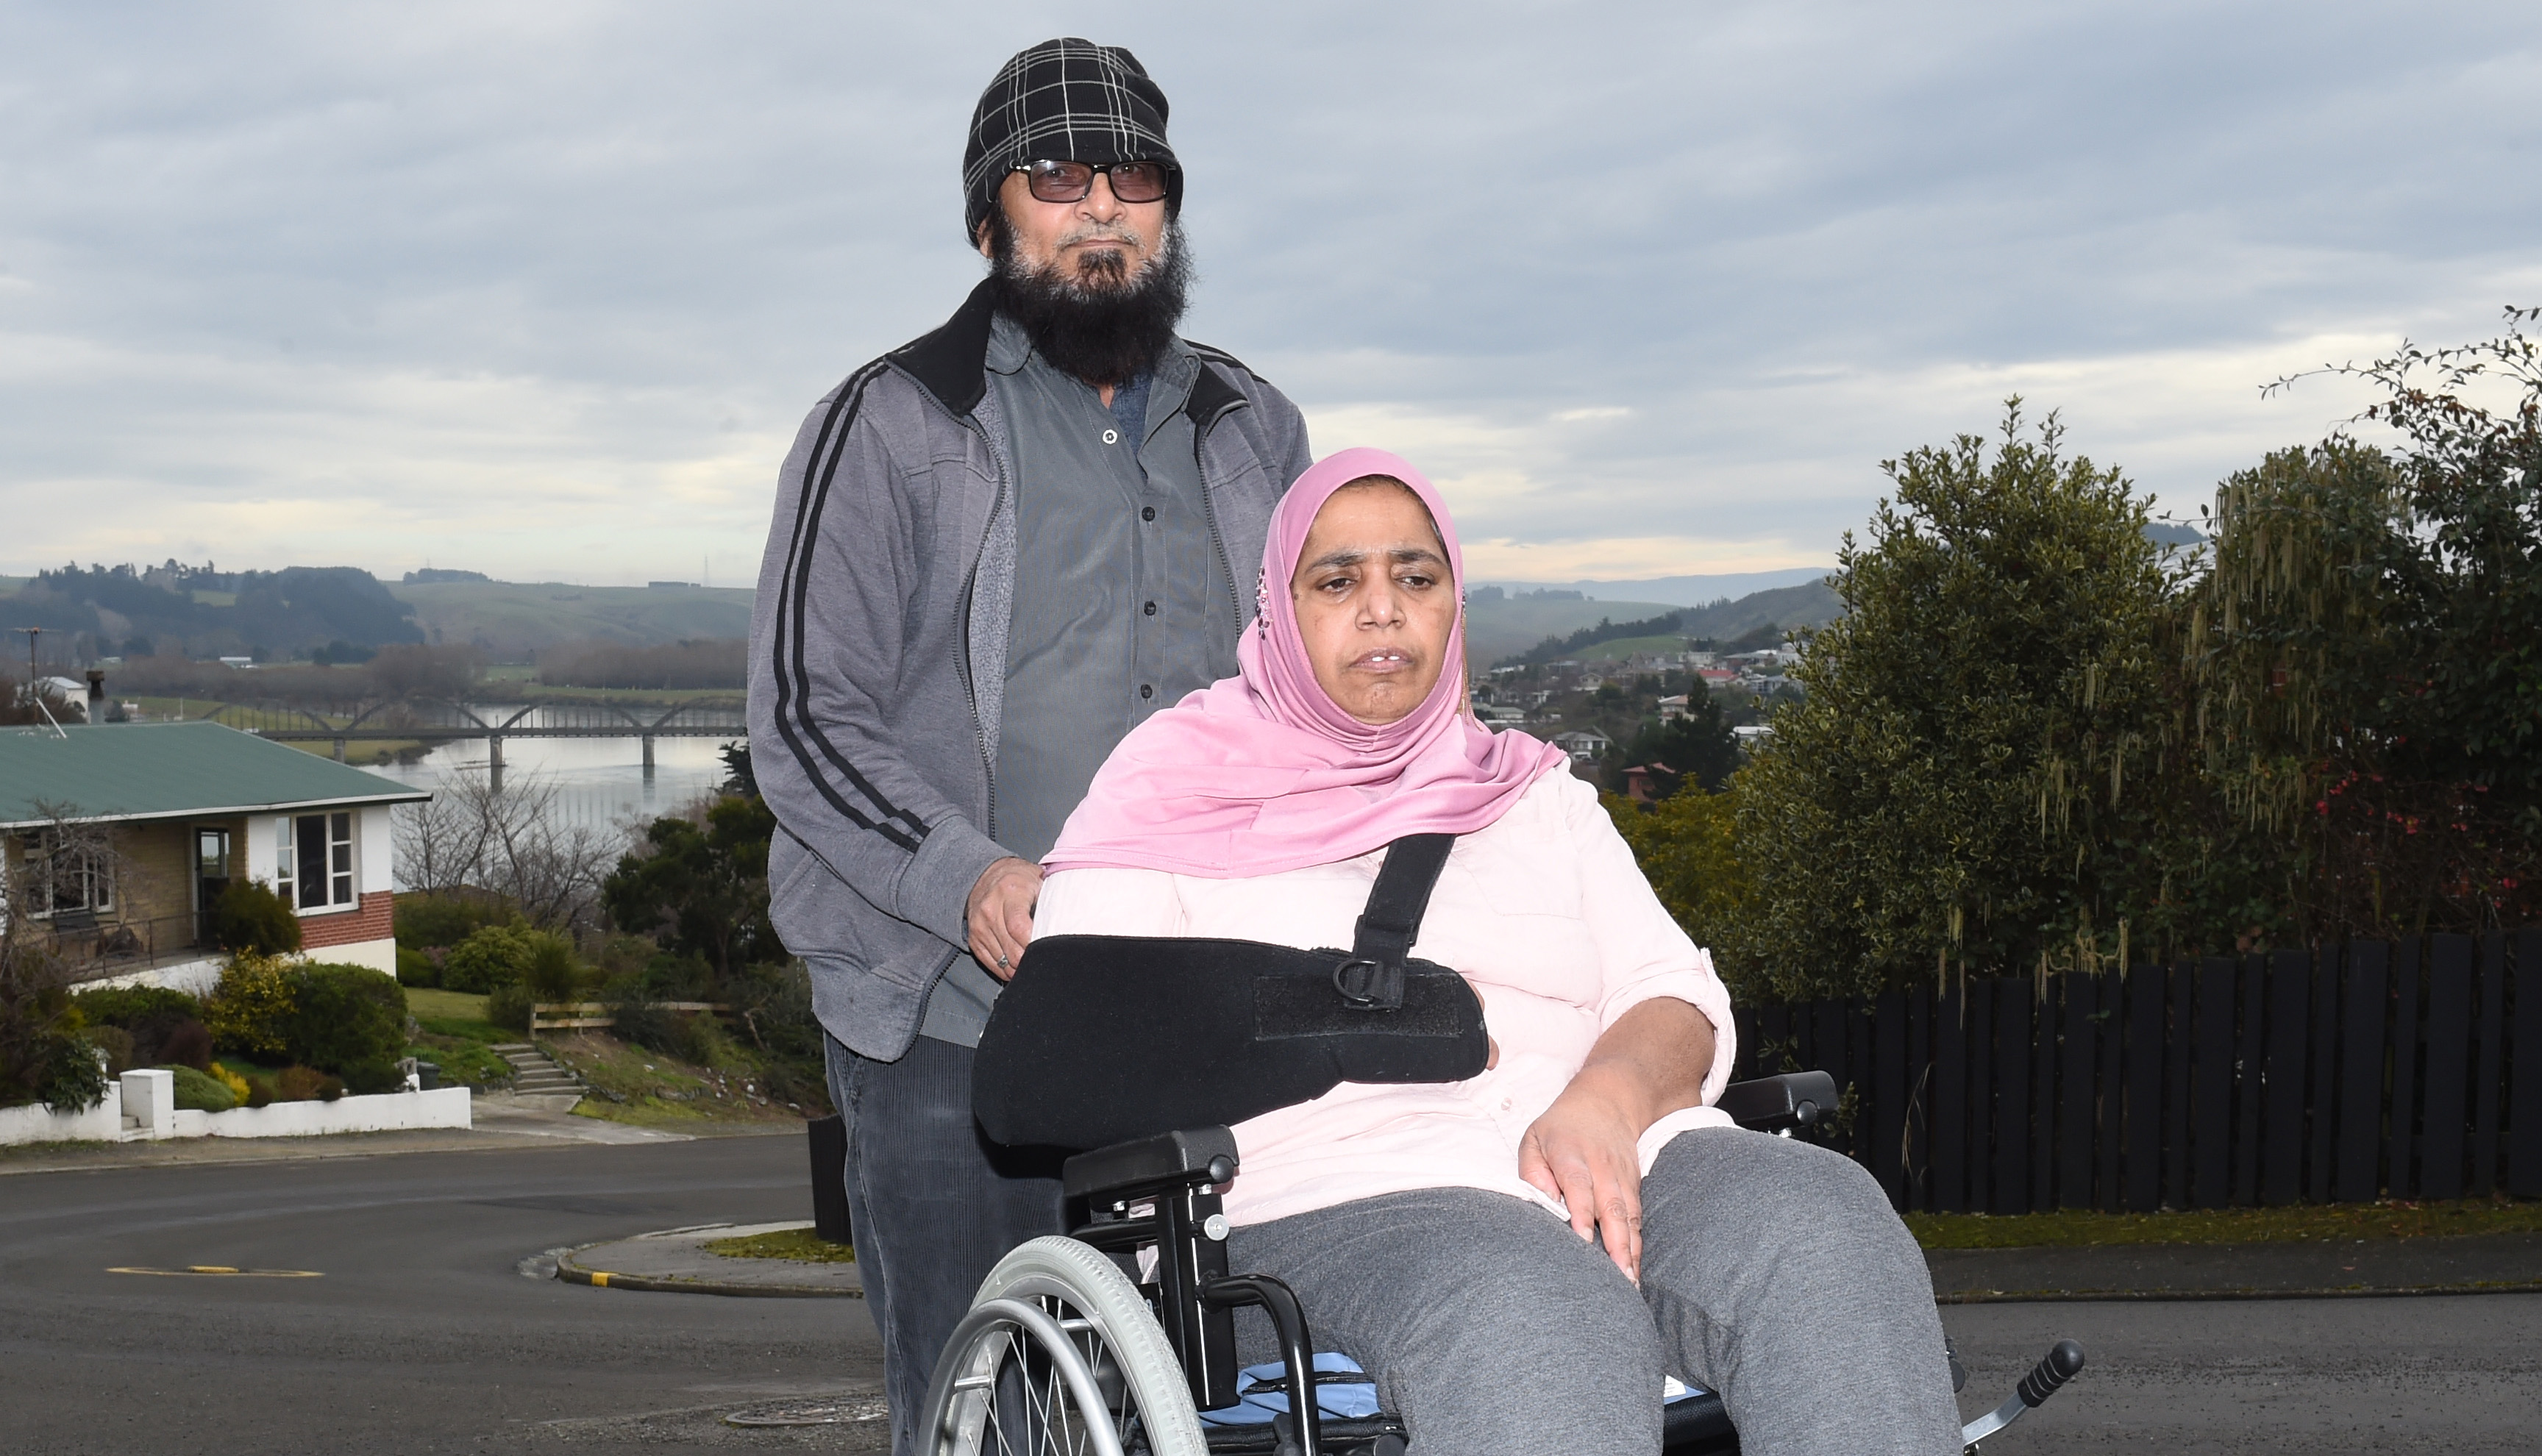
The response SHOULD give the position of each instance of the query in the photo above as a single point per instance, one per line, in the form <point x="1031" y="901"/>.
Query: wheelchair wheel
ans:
<point x="1060" y="1355"/>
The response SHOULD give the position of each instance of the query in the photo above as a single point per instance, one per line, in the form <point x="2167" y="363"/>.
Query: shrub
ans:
<point x="71" y="1077"/>
<point x="306" y="1084"/>
<point x="436" y="920"/>
<point x="491" y="955"/>
<point x="1975" y="775"/>
<point x="249" y="1011"/>
<point x="237" y="1084"/>
<point x="260" y="1091"/>
<point x="189" y="1043"/>
<point x="416" y="968"/>
<point x="117" y="1043"/>
<point x="197" y="1091"/>
<point x="129" y="1006"/>
<point x="148" y="1013"/>
<point x="349" y="1020"/>
<point x="508" y="1006"/>
<point x="250" y="920"/>
<point x="551" y="975"/>
<point x="44" y="1056"/>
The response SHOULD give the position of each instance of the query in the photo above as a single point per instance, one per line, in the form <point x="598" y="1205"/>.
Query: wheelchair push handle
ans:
<point x="2064" y="1360"/>
<point x="2059" y="1365"/>
<point x="1777" y="1103"/>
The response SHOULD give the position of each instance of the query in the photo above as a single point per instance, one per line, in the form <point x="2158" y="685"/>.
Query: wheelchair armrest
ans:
<point x="1771" y="1104"/>
<point x="1168" y="1159"/>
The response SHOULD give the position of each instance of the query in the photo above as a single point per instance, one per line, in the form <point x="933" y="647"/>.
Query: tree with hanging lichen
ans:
<point x="1975" y="781"/>
<point x="2364" y="656"/>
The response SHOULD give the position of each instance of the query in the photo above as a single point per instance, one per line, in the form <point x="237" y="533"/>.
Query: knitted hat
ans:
<point x="1065" y="100"/>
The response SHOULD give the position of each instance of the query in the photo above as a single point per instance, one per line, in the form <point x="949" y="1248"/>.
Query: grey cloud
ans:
<point x="371" y="251"/>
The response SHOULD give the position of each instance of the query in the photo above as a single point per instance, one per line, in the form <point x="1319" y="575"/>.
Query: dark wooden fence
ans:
<point x="2407" y="1069"/>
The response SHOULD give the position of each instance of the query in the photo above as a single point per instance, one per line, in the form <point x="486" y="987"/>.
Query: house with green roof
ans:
<point x="117" y="840"/>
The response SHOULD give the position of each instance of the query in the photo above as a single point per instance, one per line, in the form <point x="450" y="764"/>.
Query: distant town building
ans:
<point x="1583" y="745"/>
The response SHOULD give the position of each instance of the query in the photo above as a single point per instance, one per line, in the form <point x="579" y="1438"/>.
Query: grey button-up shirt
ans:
<point x="1121" y="603"/>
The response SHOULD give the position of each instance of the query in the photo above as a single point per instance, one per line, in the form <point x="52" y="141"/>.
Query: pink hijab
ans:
<point x="1263" y="772"/>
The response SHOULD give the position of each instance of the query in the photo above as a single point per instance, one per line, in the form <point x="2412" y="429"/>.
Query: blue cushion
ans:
<point x="1266" y="1393"/>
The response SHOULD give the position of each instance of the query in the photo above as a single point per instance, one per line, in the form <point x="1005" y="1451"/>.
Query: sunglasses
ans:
<point x="1074" y="182"/>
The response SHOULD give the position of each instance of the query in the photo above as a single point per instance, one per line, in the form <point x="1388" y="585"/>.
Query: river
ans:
<point x="601" y="782"/>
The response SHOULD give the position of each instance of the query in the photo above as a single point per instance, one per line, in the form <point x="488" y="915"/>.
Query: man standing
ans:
<point x="995" y="551"/>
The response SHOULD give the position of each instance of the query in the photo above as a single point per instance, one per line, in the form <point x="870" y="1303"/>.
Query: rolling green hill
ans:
<point x="1495" y="629"/>
<point x="510" y="620"/>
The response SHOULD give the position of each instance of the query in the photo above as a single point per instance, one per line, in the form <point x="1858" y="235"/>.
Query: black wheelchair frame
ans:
<point x="1194" y="1296"/>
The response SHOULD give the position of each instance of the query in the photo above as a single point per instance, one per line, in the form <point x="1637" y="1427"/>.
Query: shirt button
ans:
<point x="1146" y="689"/>
<point x="1147" y="513"/>
<point x="1111" y="437"/>
<point x="1152" y="608"/>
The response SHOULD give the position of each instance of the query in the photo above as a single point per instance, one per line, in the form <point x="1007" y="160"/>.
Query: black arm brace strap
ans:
<point x="1102" y="1038"/>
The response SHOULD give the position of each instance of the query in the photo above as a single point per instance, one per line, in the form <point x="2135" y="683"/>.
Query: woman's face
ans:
<point x="1374" y="601"/>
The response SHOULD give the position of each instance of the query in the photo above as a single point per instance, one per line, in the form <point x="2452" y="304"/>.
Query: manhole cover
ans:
<point x="812" y="1412"/>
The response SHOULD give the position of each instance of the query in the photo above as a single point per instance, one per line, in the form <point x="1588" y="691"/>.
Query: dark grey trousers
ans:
<point x="935" y="1205"/>
<point x="1773" y="1271"/>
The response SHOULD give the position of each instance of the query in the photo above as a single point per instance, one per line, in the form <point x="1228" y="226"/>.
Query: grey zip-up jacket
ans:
<point x="878" y="653"/>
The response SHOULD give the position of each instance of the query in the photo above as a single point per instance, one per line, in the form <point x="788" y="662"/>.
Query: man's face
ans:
<point x="1098" y="243"/>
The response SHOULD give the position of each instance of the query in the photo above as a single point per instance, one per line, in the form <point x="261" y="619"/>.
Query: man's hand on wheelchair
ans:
<point x="1584" y="1151"/>
<point x="1000" y="915"/>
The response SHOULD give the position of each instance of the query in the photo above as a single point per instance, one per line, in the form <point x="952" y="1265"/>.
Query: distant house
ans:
<point x="1583" y="745"/>
<point x="1673" y="708"/>
<point x="1717" y="677"/>
<point x="1647" y="784"/>
<point x="116" y="841"/>
<point x="1752" y="736"/>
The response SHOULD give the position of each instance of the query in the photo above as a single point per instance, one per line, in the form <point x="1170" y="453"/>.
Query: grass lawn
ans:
<point x="456" y="1036"/>
<point x="653" y="1089"/>
<point x="427" y="1005"/>
<point x="802" y="1245"/>
<point x="2310" y="1223"/>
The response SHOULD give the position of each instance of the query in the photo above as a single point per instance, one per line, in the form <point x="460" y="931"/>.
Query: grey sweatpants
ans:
<point x="1773" y="1271"/>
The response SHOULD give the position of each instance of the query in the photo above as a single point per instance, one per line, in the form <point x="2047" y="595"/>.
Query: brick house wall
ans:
<point x="373" y="919"/>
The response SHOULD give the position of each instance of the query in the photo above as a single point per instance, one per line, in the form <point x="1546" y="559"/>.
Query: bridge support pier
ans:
<point x="649" y="751"/>
<point x="340" y="750"/>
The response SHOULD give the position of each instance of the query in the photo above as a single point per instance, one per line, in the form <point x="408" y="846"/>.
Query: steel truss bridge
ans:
<point x="440" y="720"/>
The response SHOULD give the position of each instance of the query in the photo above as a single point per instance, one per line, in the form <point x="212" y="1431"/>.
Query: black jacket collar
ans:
<point x="952" y="364"/>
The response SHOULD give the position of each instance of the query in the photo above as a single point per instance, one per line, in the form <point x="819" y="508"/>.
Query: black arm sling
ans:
<point x="1102" y="1038"/>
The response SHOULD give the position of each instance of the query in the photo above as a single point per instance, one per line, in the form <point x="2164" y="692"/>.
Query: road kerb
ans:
<point x="577" y="1267"/>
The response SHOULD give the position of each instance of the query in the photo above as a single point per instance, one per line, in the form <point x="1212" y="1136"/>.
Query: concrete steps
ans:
<point x="534" y="1074"/>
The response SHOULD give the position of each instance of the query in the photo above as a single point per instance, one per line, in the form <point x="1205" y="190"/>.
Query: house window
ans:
<point x="61" y="879"/>
<point x="313" y="860"/>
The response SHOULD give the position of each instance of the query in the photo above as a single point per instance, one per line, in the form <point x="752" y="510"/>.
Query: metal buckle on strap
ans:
<point x="1369" y="985"/>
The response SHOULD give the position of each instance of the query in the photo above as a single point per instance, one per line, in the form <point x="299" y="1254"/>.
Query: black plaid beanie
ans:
<point x="1066" y="100"/>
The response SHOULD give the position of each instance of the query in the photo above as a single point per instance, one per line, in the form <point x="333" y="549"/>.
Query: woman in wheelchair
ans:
<point x="1519" y="1255"/>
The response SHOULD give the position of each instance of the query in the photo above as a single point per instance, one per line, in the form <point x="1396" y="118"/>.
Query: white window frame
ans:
<point x="34" y="855"/>
<point x="344" y="889"/>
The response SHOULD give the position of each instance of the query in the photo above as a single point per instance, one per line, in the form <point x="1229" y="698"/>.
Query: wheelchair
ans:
<point x="1064" y="1352"/>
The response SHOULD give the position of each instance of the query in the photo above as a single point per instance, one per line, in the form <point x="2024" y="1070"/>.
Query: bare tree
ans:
<point x="513" y="841"/>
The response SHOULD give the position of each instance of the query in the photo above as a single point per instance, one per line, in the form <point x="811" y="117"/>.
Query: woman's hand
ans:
<point x="1584" y="1151"/>
<point x="1586" y="1148"/>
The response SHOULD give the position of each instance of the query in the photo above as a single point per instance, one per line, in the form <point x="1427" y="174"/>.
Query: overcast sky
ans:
<point x="544" y="290"/>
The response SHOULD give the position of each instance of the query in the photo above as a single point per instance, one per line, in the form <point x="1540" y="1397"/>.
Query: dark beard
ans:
<point x="1096" y="326"/>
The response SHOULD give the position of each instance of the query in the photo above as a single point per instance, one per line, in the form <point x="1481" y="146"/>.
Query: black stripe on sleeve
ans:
<point x="794" y="713"/>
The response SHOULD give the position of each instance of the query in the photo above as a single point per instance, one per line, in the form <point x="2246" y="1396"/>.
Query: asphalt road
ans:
<point x="420" y="1334"/>
<point x="2437" y="1373"/>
